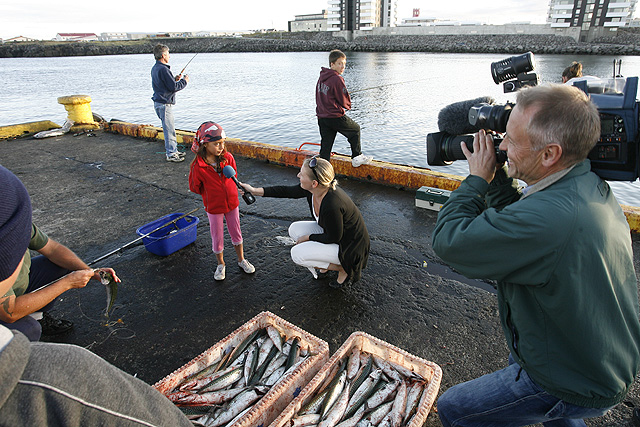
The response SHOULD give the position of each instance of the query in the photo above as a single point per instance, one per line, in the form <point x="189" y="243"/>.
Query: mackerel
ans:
<point x="399" y="405"/>
<point x="335" y="390"/>
<point x="197" y="384"/>
<point x="413" y="397"/>
<point x="364" y="391"/>
<point x="381" y="396"/>
<point x="305" y="420"/>
<point x="354" y="363"/>
<point x="223" y="381"/>
<point x="275" y="336"/>
<point x="336" y="412"/>
<point x="235" y="407"/>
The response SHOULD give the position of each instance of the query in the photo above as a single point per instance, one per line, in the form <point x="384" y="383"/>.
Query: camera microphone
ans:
<point x="454" y="118"/>
<point x="230" y="172"/>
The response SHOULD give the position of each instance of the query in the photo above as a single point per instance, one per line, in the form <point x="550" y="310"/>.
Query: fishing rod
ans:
<point x="185" y="67"/>
<point x="173" y="221"/>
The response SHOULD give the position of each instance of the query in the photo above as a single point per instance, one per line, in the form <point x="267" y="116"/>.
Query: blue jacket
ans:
<point x="567" y="289"/>
<point x="164" y="84"/>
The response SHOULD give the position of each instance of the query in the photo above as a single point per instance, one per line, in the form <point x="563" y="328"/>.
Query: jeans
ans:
<point x="165" y="114"/>
<point x="42" y="273"/>
<point x="508" y="398"/>
<point x="329" y="127"/>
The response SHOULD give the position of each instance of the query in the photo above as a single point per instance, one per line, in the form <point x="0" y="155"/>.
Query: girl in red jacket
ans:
<point x="219" y="193"/>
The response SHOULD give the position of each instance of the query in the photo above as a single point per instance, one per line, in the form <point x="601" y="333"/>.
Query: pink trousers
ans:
<point x="216" y="226"/>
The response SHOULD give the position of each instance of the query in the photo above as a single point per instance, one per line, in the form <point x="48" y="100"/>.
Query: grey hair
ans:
<point x="326" y="177"/>
<point x="563" y="115"/>
<point x="159" y="50"/>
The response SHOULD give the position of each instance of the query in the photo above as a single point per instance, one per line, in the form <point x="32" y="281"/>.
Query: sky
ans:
<point x="43" y="19"/>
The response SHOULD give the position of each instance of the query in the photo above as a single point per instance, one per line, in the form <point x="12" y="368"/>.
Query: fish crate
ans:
<point x="374" y="346"/>
<point x="171" y="238"/>
<point x="282" y="393"/>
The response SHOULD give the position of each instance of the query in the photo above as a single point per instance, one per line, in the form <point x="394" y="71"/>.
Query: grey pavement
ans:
<point x="92" y="193"/>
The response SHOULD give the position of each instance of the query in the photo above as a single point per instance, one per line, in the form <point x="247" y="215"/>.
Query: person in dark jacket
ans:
<point x="46" y="384"/>
<point x="337" y="239"/>
<point x="165" y="86"/>
<point x="560" y="252"/>
<point x="332" y="99"/>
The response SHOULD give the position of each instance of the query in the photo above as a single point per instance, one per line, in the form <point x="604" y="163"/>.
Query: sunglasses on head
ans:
<point x="313" y="162"/>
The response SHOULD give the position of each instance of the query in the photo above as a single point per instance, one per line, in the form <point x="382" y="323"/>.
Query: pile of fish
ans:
<point x="221" y="393"/>
<point x="364" y="390"/>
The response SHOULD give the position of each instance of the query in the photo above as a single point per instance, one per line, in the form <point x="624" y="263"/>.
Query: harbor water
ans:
<point x="269" y="97"/>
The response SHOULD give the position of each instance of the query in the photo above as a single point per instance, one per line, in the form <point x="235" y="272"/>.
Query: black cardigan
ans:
<point x="341" y="221"/>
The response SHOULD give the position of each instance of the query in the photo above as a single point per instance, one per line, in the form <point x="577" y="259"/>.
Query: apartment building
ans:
<point x="351" y="15"/>
<point x="589" y="14"/>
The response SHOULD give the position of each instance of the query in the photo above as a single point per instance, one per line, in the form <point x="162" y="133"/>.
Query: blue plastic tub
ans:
<point x="171" y="238"/>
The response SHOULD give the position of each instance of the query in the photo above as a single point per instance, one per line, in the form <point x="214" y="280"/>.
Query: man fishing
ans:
<point x="59" y="384"/>
<point x="40" y="281"/>
<point x="165" y="86"/>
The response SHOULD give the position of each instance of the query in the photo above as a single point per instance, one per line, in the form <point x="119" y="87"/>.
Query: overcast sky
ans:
<point x="43" y="19"/>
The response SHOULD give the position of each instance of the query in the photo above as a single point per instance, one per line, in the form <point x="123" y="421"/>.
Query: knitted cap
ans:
<point x="15" y="222"/>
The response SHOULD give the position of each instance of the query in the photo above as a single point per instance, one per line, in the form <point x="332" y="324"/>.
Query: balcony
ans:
<point x="617" y="14"/>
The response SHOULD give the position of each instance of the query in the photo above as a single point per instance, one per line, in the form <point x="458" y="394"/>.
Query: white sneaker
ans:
<point x="246" y="266"/>
<point x="175" y="157"/>
<point x="361" y="160"/>
<point x="220" y="272"/>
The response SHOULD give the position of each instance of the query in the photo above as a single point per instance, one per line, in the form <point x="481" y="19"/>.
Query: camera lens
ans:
<point x="509" y="68"/>
<point x="490" y="117"/>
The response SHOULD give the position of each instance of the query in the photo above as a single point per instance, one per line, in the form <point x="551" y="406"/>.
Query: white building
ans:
<point x="312" y="22"/>
<point x="588" y="14"/>
<point x="76" y="37"/>
<point x="352" y="15"/>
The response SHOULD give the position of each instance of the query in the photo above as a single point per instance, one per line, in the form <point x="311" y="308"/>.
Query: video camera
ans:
<point x="615" y="155"/>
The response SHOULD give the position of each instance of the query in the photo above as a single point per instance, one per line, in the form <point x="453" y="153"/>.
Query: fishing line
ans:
<point x="110" y="326"/>
<point x="385" y="85"/>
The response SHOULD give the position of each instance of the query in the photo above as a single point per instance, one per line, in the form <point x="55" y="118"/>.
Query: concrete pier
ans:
<point x="91" y="193"/>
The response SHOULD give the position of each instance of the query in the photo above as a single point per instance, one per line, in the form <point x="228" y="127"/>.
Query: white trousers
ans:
<point x="312" y="254"/>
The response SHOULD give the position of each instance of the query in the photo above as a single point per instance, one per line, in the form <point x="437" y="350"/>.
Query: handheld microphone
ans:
<point x="230" y="172"/>
<point x="454" y="118"/>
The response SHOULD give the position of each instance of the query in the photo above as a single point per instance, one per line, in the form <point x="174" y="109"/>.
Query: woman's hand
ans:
<point x="302" y="239"/>
<point x="255" y="191"/>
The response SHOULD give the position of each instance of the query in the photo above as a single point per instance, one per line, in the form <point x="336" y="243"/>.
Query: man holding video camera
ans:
<point x="560" y="252"/>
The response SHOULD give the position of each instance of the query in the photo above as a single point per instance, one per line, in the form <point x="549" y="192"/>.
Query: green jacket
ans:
<point x="567" y="289"/>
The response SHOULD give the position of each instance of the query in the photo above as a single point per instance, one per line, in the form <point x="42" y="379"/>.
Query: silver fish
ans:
<point x="236" y="406"/>
<point x="109" y="282"/>
<point x="275" y="336"/>
<point x="337" y="410"/>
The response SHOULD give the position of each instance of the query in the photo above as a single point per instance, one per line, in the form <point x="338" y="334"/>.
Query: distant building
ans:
<point x="591" y="16"/>
<point x="105" y="37"/>
<point x="353" y="15"/>
<point x="76" y="37"/>
<point x="312" y="22"/>
<point x="19" y="39"/>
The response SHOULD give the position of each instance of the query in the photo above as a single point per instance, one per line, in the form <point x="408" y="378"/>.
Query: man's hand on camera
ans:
<point x="482" y="162"/>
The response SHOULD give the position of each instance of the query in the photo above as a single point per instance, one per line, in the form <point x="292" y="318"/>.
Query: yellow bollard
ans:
<point x="79" y="111"/>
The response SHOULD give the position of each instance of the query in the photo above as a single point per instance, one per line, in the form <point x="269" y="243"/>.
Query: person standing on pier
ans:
<point x="560" y="252"/>
<point x="332" y="99"/>
<point x="165" y="86"/>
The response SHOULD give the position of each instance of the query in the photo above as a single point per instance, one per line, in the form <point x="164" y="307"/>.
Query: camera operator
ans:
<point x="560" y="251"/>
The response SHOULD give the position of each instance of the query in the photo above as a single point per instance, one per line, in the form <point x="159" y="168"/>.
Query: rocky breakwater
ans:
<point x="624" y="43"/>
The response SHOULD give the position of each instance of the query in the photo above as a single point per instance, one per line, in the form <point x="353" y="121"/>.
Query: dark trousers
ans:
<point x="343" y="125"/>
<point x="42" y="272"/>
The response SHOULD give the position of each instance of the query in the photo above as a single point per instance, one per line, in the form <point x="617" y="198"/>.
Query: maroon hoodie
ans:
<point x="332" y="97"/>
